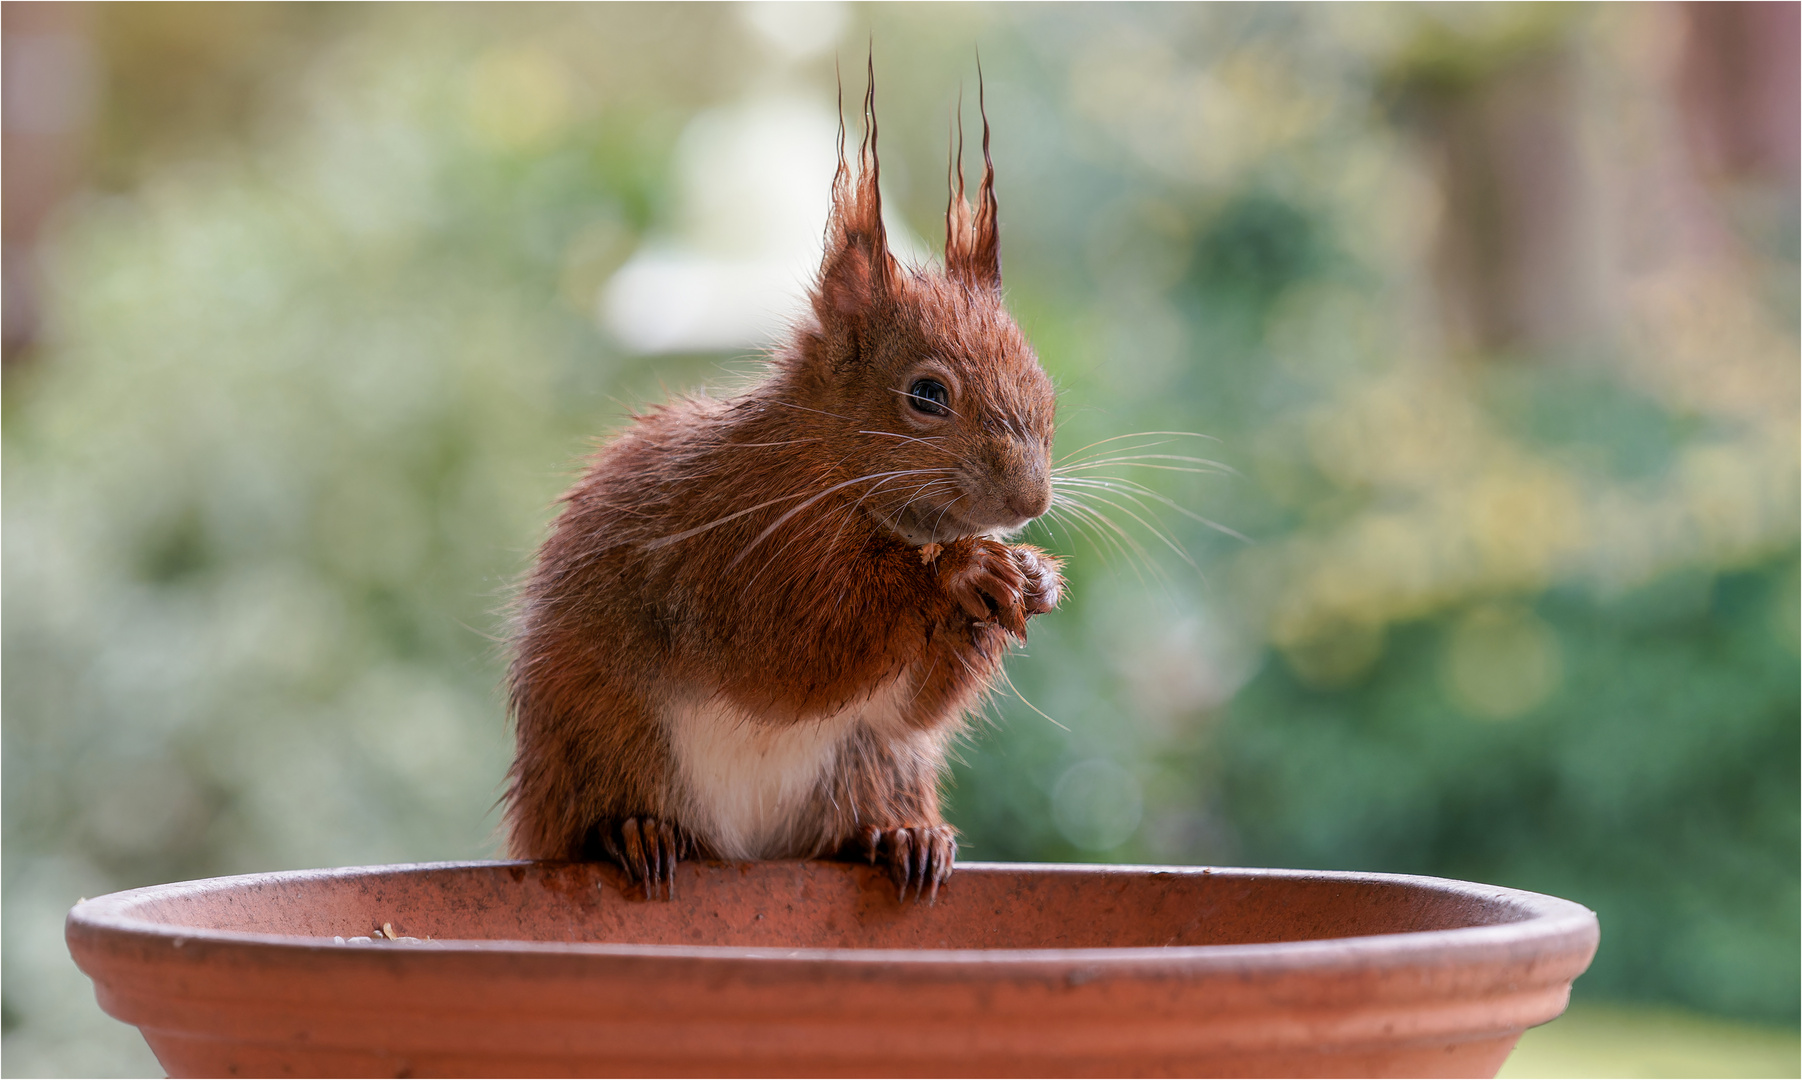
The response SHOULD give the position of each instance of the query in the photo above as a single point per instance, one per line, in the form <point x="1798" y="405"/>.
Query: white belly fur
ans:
<point x="743" y="782"/>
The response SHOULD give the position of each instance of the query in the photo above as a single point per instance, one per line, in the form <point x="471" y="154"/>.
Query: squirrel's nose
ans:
<point x="1030" y="502"/>
<point x="1029" y="494"/>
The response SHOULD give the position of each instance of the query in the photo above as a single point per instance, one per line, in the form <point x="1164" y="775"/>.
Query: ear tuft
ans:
<point x="973" y="239"/>
<point x="857" y="268"/>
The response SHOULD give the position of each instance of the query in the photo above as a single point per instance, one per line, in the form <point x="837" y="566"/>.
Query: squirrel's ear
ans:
<point x="973" y="240"/>
<point x="858" y="267"/>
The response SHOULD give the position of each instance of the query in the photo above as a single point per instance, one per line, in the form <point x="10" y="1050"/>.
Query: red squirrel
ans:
<point x="759" y="621"/>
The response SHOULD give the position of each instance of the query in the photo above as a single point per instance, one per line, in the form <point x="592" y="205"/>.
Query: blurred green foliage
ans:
<point x="1630" y="787"/>
<point x="1600" y="1040"/>
<point x="321" y="356"/>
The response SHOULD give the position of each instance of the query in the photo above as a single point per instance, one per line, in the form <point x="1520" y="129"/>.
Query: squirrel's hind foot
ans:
<point x="647" y="850"/>
<point x="919" y="857"/>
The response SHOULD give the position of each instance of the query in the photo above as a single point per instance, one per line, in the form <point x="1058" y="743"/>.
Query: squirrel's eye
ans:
<point x="930" y="397"/>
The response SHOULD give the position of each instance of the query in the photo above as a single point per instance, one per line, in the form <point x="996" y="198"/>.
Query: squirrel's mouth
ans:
<point x="942" y="524"/>
<point x="920" y="526"/>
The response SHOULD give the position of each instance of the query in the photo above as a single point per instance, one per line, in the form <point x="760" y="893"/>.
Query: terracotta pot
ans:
<point x="812" y="969"/>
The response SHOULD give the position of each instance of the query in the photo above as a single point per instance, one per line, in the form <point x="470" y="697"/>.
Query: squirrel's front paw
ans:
<point x="647" y="850"/>
<point x="1043" y="584"/>
<point x="1007" y="584"/>
<point x="919" y="857"/>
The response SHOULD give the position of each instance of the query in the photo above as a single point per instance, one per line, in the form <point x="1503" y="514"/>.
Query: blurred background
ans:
<point x="311" y="311"/>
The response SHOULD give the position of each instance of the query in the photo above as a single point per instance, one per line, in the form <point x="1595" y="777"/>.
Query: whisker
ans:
<point x="1095" y="470"/>
<point x="1051" y="522"/>
<point x="1129" y="487"/>
<point x="777" y="554"/>
<point x="945" y="509"/>
<point x="1128" y="554"/>
<point x="716" y="522"/>
<point x="803" y="408"/>
<point x="1138" y="435"/>
<point x="1128" y="545"/>
<point x="1142" y="460"/>
<point x="1076" y="470"/>
<point x="1066" y="462"/>
<point x="774" y="525"/>
<point x="1152" y="529"/>
<point x="1010" y="685"/>
<point x="1120" y="538"/>
<point x="918" y="491"/>
<point x="1071" y="514"/>
<point x="1124" y="492"/>
<point x="911" y="438"/>
<point x="1136" y="452"/>
<point x="752" y="445"/>
<point x="1058" y="516"/>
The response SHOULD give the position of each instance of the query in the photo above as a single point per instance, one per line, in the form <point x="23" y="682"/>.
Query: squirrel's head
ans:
<point x="925" y="368"/>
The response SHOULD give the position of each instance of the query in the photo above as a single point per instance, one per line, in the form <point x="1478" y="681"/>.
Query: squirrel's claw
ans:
<point x="919" y="857"/>
<point x="988" y="587"/>
<point x="647" y="849"/>
<point x="870" y="839"/>
<point x="901" y="861"/>
<point x="1013" y="620"/>
<point x="942" y="854"/>
<point x="636" y="866"/>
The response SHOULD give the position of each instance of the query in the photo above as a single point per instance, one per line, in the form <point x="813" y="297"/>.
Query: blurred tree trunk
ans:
<point x="1523" y="262"/>
<point x="1741" y="84"/>
<point x="1509" y="260"/>
<point x="49" y="96"/>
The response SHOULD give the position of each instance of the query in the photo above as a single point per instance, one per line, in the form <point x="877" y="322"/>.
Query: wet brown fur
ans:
<point x="656" y="580"/>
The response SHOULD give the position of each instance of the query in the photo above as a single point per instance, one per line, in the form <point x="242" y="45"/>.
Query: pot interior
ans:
<point x="794" y="905"/>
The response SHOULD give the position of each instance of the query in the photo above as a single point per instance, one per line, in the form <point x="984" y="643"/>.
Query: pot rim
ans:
<point x="1543" y="920"/>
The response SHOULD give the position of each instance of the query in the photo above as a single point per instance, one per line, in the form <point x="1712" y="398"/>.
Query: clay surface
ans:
<point x="814" y="969"/>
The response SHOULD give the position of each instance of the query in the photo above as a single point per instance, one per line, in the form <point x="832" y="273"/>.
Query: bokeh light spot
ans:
<point x="519" y="98"/>
<point x="1097" y="804"/>
<point x="1501" y="662"/>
